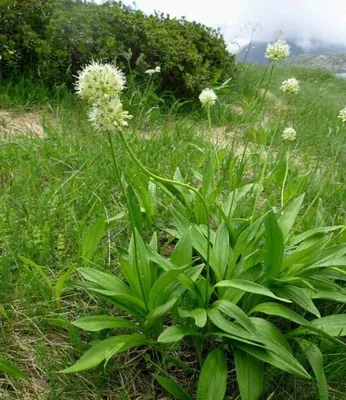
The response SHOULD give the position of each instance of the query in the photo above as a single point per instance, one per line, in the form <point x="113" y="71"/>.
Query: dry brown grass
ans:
<point x="12" y="122"/>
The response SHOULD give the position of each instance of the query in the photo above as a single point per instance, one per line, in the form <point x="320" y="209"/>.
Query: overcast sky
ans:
<point x="306" y="19"/>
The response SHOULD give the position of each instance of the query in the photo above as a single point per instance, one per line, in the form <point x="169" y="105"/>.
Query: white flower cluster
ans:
<point x="107" y="115"/>
<point x="342" y="115"/>
<point x="101" y="85"/>
<point x="289" y="134"/>
<point x="207" y="97"/>
<point x="151" y="72"/>
<point x="290" y="85"/>
<point x="97" y="81"/>
<point x="278" y="51"/>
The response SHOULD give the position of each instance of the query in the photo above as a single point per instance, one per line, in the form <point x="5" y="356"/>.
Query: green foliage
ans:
<point x="52" y="40"/>
<point x="245" y="280"/>
<point x="11" y="370"/>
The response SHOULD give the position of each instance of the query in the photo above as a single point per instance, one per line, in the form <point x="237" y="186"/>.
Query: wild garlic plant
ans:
<point x="242" y="288"/>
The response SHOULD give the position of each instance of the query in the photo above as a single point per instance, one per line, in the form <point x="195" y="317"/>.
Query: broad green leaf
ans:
<point x="334" y="325"/>
<point x="92" y="240"/>
<point x="198" y="314"/>
<point x="172" y="284"/>
<point x="234" y="197"/>
<point x="250" y="375"/>
<point x="313" y="232"/>
<point x="307" y="254"/>
<point x="274" y="246"/>
<point x="281" y="359"/>
<point x="247" y="236"/>
<point x="298" y="296"/>
<point x="162" y="262"/>
<point x="221" y="250"/>
<point x="175" y="333"/>
<point x="330" y="295"/>
<point x="236" y="313"/>
<point x="105" y="281"/>
<point x="279" y="310"/>
<point x="134" y="209"/>
<point x="212" y="382"/>
<point x="172" y="388"/>
<point x="11" y="370"/>
<point x="144" y="196"/>
<point x="250" y="287"/>
<point x="158" y="313"/>
<point x="315" y="358"/>
<point x="139" y="259"/>
<point x="269" y="334"/>
<point x="98" y="353"/>
<point x="182" y="253"/>
<point x="237" y="332"/>
<point x="99" y="322"/>
<point x="132" y="341"/>
<point x="158" y="292"/>
<point x="289" y="215"/>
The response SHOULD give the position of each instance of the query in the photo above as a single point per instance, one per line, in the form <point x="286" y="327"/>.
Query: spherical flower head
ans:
<point x="158" y="69"/>
<point x="107" y="115"/>
<point x="150" y="72"/>
<point x="278" y="51"/>
<point x="207" y="97"/>
<point x="99" y="81"/>
<point x="290" y="86"/>
<point x="289" y="134"/>
<point x="342" y="115"/>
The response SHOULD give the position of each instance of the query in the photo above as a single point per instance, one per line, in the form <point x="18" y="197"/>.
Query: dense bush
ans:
<point x="52" y="40"/>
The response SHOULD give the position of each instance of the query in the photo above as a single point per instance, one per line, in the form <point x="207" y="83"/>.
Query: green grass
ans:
<point x="53" y="188"/>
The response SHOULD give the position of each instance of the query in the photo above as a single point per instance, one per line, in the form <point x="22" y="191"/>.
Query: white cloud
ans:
<point x="323" y="20"/>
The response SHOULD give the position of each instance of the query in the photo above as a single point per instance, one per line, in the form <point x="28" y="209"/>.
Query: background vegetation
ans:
<point x="50" y="40"/>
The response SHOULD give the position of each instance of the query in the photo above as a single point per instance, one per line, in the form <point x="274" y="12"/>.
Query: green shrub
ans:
<point x="52" y="40"/>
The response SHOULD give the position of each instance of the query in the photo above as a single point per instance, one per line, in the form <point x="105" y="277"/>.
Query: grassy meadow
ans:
<point x="56" y="188"/>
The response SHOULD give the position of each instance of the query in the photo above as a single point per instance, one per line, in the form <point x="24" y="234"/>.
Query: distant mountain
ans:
<point x="255" y="54"/>
<point x="335" y="62"/>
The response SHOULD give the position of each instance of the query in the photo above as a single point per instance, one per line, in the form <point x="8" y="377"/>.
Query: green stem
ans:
<point x="181" y="184"/>
<point x="115" y="164"/>
<point x="285" y="178"/>
<point x="265" y="164"/>
<point x="133" y="226"/>
<point x="213" y="146"/>
<point x="262" y="79"/>
<point x="247" y="140"/>
<point x="258" y="113"/>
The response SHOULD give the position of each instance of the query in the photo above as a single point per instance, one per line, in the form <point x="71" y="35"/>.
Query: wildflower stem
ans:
<point x="133" y="226"/>
<point x="213" y="146"/>
<point x="286" y="175"/>
<point x="255" y="121"/>
<point x="265" y="165"/>
<point x="115" y="164"/>
<point x="181" y="184"/>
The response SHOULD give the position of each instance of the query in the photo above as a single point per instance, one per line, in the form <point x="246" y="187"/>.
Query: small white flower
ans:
<point x="289" y="134"/>
<point x="342" y="115"/>
<point x="290" y="85"/>
<point x="278" y="51"/>
<point x="107" y="114"/>
<point x="150" y="72"/>
<point x="98" y="81"/>
<point x="158" y="69"/>
<point x="207" y="97"/>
